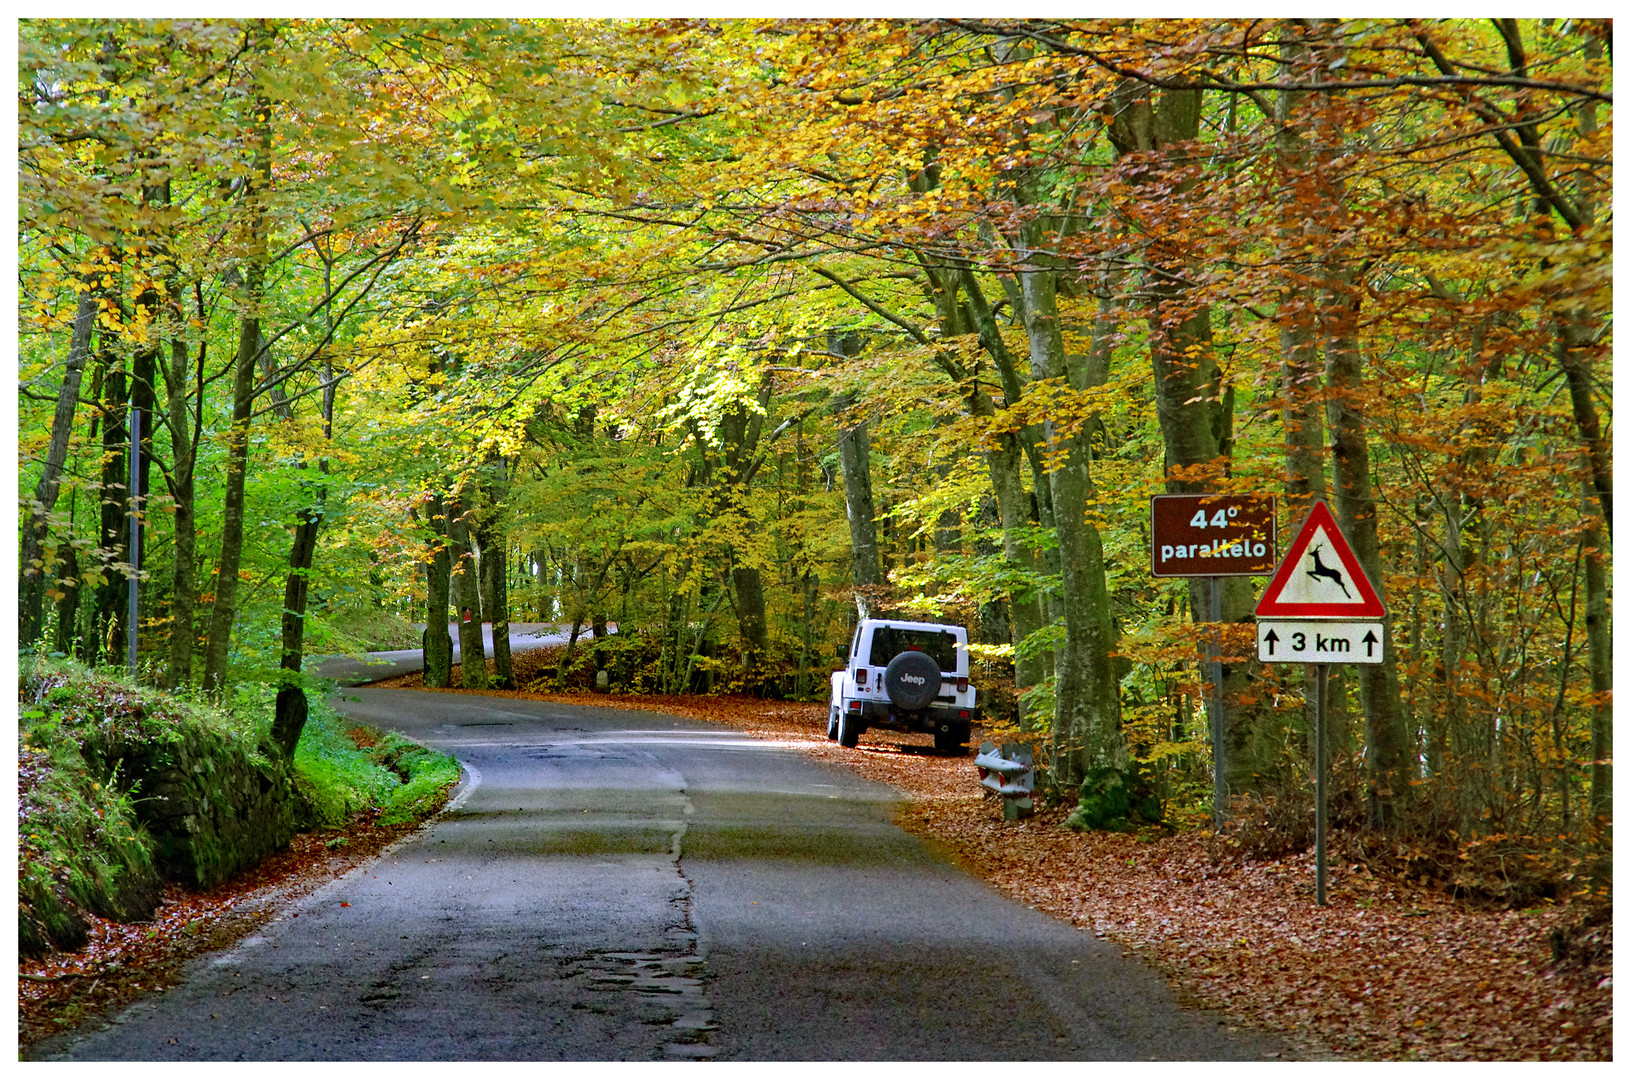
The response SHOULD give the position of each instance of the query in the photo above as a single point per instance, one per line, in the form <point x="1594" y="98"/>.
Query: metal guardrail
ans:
<point x="1010" y="773"/>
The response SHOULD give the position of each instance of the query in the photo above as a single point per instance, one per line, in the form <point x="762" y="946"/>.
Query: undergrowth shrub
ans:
<point x="1495" y="870"/>
<point x="1116" y="800"/>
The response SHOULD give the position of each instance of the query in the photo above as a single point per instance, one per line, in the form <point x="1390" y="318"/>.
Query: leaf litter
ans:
<point x="1387" y="971"/>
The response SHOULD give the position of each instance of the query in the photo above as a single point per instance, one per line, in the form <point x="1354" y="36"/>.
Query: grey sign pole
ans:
<point x="1321" y="672"/>
<point x="1220" y="788"/>
<point x="135" y="529"/>
<point x="1212" y="537"/>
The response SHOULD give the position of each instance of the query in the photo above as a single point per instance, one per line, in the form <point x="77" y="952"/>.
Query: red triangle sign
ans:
<point x="1320" y="577"/>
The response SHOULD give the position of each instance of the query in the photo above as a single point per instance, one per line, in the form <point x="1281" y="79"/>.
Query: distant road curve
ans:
<point x="379" y="666"/>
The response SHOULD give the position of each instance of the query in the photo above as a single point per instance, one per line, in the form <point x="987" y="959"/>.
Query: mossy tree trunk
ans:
<point x="36" y="527"/>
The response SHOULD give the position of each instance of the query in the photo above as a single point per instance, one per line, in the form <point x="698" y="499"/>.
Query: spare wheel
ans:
<point x="912" y="680"/>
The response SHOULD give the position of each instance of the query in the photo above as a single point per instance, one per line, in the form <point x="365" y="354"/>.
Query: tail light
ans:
<point x="962" y="684"/>
<point x="860" y="676"/>
<point x="962" y="714"/>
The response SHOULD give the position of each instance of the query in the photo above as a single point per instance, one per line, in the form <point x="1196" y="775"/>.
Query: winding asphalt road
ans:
<point x="612" y="885"/>
<point x="378" y="666"/>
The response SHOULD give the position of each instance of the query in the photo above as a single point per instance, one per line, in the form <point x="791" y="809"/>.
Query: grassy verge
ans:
<point x="345" y="770"/>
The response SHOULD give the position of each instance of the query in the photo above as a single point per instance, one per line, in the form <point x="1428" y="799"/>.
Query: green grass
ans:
<point x="368" y="630"/>
<point x="79" y="846"/>
<point x="397" y="777"/>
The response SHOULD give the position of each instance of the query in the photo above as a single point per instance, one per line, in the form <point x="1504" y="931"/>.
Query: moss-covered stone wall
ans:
<point x="121" y="786"/>
<point x="212" y="809"/>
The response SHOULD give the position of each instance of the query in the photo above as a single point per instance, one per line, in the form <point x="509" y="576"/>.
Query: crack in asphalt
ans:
<point x="696" y="1019"/>
<point x="668" y="986"/>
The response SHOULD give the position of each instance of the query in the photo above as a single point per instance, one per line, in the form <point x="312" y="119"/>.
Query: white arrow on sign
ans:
<point x="1319" y="641"/>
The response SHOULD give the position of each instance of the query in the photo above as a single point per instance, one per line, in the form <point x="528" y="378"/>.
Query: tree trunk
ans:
<point x="747" y="585"/>
<point x="232" y="515"/>
<point x="1599" y="646"/>
<point x="738" y="433"/>
<point x="143" y="403"/>
<point x="1193" y="408"/>
<point x="183" y="590"/>
<point x="1087" y="719"/>
<point x="597" y="628"/>
<point x="1301" y="416"/>
<point x="68" y="606"/>
<point x="438" y="646"/>
<point x="495" y="599"/>
<point x="289" y="715"/>
<point x="1302" y="413"/>
<point x="466" y="598"/>
<point x="810" y="593"/>
<point x="1013" y="504"/>
<point x="1039" y="513"/>
<point x="108" y="606"/>
<point x="1574" y="339"/>
<point x="543" y="602"/>
<point x="1193" y="413"/>
<point x="31" y="588"/>
<point x="84" y="642"/>
<point x="1387" y="746"/>
<point x="219" y="641"/>
<point x="866" y="568"/>
<point x="993" y="624"/>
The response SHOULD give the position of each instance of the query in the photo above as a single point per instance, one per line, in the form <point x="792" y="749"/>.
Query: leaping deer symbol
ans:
<point x="1321" y="570"/>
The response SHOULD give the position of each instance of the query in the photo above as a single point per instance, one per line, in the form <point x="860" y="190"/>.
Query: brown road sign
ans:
<point x="1211" y="535"/>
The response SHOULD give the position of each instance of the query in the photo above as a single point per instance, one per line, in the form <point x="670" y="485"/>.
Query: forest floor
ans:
<point x="1386" y="971"/>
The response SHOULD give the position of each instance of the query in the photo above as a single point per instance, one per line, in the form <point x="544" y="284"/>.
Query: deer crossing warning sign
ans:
<point x="1320" y="577"/>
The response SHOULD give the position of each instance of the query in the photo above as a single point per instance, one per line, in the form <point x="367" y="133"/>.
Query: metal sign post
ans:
<point x="1321" y="672"/>
<point x="1320" y="609"/>
<point x="135" y="531"/>
<point x="1213" y="537"/>
<point x="1220" y="750"/>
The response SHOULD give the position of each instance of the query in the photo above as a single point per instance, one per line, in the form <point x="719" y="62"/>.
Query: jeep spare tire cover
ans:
<point x="912" y="680"/>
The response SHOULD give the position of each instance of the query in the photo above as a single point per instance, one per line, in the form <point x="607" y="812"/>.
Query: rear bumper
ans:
<point x="936" y="717"/>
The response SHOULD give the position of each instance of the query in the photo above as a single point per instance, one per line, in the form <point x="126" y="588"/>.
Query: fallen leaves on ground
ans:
<point x="1386" y="971"/>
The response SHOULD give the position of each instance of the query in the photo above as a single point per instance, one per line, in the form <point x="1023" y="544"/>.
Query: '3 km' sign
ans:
<point x="1307" y="641"/>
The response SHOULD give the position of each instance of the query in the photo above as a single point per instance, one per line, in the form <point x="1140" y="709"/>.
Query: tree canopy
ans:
<point x="725" y="332"/>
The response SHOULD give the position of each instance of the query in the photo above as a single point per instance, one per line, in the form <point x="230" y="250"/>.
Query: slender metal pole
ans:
<point x="1220" y="787"/>
<point x="135" y="529"/>
<point x="1320" y="671"/>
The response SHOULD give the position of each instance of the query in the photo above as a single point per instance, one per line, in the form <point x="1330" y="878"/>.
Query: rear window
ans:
<point x="889" y="642"/>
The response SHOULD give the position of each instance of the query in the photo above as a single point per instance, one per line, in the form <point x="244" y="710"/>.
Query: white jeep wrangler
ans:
<point x="908" y="676"/>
